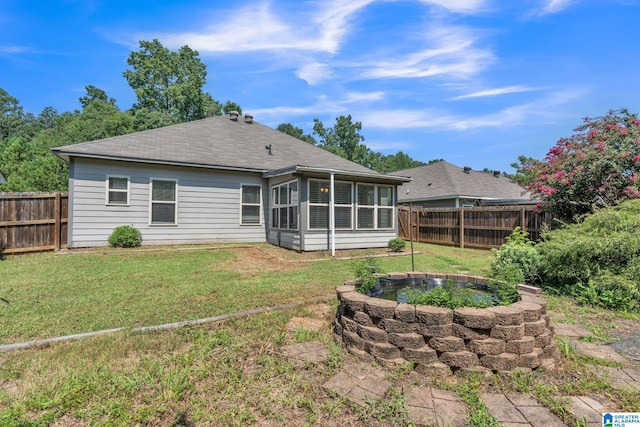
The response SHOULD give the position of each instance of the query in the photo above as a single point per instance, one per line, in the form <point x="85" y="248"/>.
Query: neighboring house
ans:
<point x="3" y="180"/>
<point x="444" y="185"/>
<point x="226" y="179"/>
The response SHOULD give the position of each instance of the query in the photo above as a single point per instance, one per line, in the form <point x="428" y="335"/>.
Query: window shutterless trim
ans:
<point x="174" y="202"/>
<point x="109" y="190"/>
<point x="276" y="205"/>
<point x="243" y="204"/>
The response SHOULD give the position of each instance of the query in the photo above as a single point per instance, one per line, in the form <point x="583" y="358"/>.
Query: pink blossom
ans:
<point x="547" y="190"/>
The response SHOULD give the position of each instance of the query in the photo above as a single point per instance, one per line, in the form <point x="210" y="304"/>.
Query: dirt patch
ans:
<point x="252" y="260"/>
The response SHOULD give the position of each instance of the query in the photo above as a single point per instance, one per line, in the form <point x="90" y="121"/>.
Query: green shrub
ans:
<point x="596" y="260"/>
<point x="449" y="295"/>
<point x="505" y="284"/>
<point x="365" y="271"/>
<point x="397" y="244"/>
<point x="518" y="253"/>
<point x="125" y="236"/>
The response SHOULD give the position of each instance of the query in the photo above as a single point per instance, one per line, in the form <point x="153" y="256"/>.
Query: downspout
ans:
<point x="332" y="216"/>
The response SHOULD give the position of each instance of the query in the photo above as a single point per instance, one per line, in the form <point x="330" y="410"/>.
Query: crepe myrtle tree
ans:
<point x="596" y="166"/>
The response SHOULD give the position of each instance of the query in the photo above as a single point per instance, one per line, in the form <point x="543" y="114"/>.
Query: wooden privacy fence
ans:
<point x="469" y="227"/>
<point x="31" y="222"/>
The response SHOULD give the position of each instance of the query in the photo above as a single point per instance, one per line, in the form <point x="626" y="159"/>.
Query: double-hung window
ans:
<point x="385" y="207"/>
<point x="164" y="202"/>
<point x="343" y="204"/>
<point x="318" y="204"/>
<point x="251" y="204"/>
<point x="366" y="206"/>
<point x="284" y="206"/>
<point x="117" y="190"/>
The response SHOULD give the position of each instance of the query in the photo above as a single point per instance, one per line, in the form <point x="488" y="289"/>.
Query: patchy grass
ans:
<point x="234" y="372"/>
<point x="52" y="295"/>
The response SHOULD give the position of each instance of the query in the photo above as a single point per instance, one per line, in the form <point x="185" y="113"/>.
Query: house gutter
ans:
<point x="66" y="155"/>
<point x="373" y="176"/>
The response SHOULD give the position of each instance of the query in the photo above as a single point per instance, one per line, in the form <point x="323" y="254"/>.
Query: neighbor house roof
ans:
<point x="3" y="180"/>
<point x="443" y="180"/>
<point x="219" y="143"/>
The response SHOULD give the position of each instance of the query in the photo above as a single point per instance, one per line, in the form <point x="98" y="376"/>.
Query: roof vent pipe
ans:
<point x="233" y="115"/>
<point x="496" y="173"/>
<point x="467" y="169"/>
<point x="248" y="118"/>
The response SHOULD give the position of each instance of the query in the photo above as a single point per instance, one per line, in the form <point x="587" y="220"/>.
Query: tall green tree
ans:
<point x="230" y="106"/>
<point x="344" y="139"/>
<point x="170" y="82"/>
<point x="11" y="115"/>
<point x="26" y="159"/>
<point x="395" y="162"/>
<point x="296" y="132"/>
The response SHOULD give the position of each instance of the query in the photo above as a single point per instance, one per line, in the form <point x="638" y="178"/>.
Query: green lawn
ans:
<point x="232" y="372"/>
<point x="52" y="295"/>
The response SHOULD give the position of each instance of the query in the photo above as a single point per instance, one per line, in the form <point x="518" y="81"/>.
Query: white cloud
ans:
<point x="451" y="52"/>
<point x="545" y="109"/>
<point x="459" y="6"/>
<point x="554" y="6"/>
<point x="314" y="73"/>
<point x="323" y="105"/>
<point x="495" y="92"/>
<point x="363" y="97"/>
<point x="256" y="28"/>
<point x="12" y="49"/>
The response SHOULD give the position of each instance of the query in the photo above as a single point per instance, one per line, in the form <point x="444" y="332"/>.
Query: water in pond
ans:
<point x="396" y="289"/>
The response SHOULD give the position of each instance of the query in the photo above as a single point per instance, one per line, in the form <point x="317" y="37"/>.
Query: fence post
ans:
<point x="523" y="220"/>
<point x="58" y="222"/>
<point x="461" y="213"/>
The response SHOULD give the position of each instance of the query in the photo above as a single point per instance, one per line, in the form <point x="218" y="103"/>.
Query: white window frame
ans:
<point x="151" y="202"/>
<point x="350" y="205"/>
<point x="259" y="204"/>
<point x="371" y="207"/>
<point x="117" y="190"/>
<point x="310" y="204"/>
<point x="391" y="207"/>
<point x="335" y="203"/>
<point x="276" y="205"/>
<point x="376" y="207"/>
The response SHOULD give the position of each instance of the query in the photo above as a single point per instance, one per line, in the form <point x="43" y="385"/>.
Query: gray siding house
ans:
<point x="226" y="179"/>
<point x="445" y="185"/>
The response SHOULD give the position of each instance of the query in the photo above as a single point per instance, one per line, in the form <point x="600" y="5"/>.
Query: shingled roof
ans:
<point x="218" y="143"/>
<point x="443" y="180"/>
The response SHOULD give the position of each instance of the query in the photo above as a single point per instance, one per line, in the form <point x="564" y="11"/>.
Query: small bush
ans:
<point x="517" y="253"/>
<point x="365" y="271"/>
<point x="504" y="284"/>
<point x="397" y="244"/>
<point x="125" y="236"/>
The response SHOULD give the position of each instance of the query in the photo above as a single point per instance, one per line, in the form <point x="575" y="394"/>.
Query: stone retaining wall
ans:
<point x="440" y="340"/>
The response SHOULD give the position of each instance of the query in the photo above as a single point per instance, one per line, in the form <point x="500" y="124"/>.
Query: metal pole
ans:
<point x="413" y="265"/>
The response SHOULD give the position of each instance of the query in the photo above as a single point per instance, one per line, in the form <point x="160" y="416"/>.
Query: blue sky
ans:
<point x="475" y="82"/>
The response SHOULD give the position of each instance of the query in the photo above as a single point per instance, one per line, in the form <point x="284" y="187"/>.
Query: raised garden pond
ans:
<point x="441" y="341"/>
